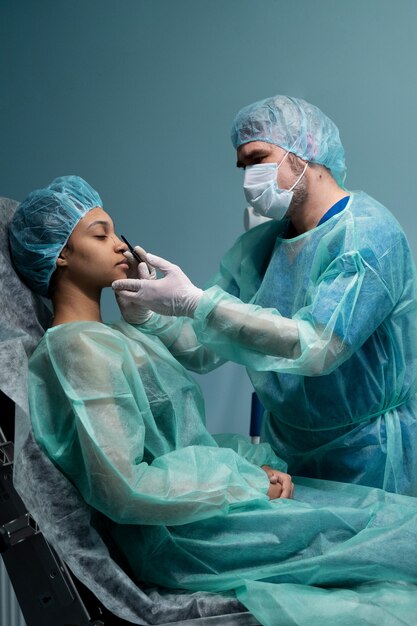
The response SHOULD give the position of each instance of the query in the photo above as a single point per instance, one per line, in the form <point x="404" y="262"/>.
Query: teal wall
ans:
<point x="137" y="96"/>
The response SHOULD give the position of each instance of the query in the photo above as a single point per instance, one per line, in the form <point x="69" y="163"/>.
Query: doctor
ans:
<point x="319" y="304"/>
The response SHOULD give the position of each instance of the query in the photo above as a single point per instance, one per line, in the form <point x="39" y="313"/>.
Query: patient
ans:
<point x="124" y="421"/>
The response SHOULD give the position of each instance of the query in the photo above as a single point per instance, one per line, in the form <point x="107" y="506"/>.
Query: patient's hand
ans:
<point x="281" y="485"/>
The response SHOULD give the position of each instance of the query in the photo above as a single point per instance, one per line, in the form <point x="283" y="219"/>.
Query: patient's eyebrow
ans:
<point x="104" y="223"/>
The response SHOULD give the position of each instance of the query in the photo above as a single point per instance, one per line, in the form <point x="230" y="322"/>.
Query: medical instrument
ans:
<point x="135" y="254"/>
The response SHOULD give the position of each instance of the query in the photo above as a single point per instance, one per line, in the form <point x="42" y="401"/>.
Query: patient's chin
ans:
<point x="120" y="273"/>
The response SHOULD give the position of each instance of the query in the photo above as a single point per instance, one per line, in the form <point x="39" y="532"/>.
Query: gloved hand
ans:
<point x="174" y="294"/>
<point x="132" y="310"/>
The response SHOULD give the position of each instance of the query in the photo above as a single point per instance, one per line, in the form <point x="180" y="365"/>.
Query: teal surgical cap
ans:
<point x="42" y="225"/>
<point x="296" y="126"/>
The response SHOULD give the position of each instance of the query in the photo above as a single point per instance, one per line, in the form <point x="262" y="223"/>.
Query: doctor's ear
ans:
<point x="297" y="164"/>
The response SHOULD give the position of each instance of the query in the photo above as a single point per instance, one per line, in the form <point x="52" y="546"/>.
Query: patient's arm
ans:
<point x="92" y="415"/>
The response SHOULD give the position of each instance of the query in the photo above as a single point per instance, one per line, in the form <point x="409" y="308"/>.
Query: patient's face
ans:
<point x="94" y="254"/>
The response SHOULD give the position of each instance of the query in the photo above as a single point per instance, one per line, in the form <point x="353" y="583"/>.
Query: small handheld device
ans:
<point x="136" y="255"/>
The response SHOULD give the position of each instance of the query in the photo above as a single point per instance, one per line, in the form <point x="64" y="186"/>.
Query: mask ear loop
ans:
<point x="283" y="159"/>
<point x="287" y="153"/>
<point x="299" y="178"/>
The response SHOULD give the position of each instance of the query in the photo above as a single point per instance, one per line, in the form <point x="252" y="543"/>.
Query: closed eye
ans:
<point x="253" y="158"/>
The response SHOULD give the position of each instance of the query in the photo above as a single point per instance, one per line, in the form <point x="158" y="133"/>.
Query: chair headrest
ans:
<point x="24" y="317"/>
<point x="24" y="314"/>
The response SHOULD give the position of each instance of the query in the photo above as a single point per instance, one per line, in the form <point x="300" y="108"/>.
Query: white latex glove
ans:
<point x="133" y="271"/>
<point x="132" y="310"/>
<point x="174" y="294"/>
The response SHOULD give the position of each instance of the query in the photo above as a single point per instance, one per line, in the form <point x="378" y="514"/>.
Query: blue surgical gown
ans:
<point x="326" y="325"/>
<point x="125" y="422"/>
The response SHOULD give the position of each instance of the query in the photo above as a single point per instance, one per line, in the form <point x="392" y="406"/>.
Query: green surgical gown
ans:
<point x="118" y="414"/>
<point x="326" y="325"/>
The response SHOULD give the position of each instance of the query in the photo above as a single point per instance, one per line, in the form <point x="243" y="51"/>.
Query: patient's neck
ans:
<point x="75" y="304"/>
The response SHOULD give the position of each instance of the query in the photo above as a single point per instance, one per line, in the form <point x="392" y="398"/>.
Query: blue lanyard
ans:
<point x="336" y="208"/>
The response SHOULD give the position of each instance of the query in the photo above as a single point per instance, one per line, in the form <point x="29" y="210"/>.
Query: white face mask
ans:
<point x="262" y="192"/>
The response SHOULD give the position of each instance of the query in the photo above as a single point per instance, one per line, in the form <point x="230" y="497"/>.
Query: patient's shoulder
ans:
<point x="74" y="343"/>
<point x="78" y="334"/>
<point x="85" y="356"/>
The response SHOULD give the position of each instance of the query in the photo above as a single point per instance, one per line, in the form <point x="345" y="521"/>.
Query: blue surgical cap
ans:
<point x="42" y="225"/>
<point x="296" y="126"/>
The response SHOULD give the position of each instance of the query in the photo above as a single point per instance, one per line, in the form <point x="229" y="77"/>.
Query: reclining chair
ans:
<point x="62" y="571"/>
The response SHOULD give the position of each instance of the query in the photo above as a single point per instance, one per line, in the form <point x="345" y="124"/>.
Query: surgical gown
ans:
<point x="125" y="422"/>
<point x="326" y="325"/>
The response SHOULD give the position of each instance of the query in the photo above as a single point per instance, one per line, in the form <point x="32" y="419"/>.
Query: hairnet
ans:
<point x="294" y="125"/>
<point x="42" y="225"/>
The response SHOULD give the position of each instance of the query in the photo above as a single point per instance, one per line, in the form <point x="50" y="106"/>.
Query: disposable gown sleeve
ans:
<point x="98" y="415"/>
<point x="178" y="335"/>
<point x="258" y="454"/>
<point x="344" y="306"/>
